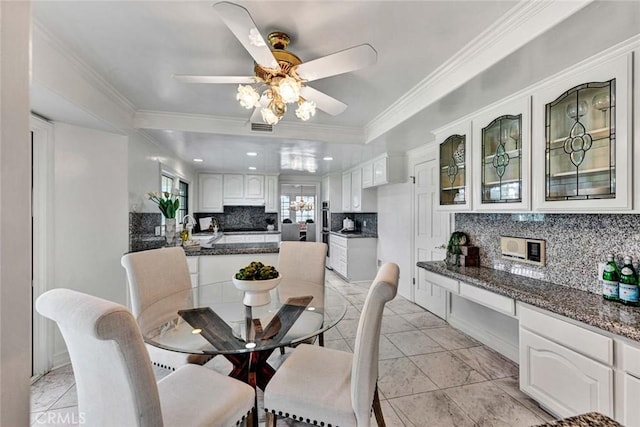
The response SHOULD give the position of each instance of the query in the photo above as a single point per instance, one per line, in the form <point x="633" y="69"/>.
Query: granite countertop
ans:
<point x="229" y="233"/>
<point x="355" y="235"/>
<point x="235" y="249"/>
<point x="582" y="306"/>
<point x="592" y="419"/>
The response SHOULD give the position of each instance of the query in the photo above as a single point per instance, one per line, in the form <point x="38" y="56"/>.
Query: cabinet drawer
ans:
<point x="442" y="281"/>
<point x="234" y="239"/>
<point x="582" y="340"/>
<point x="489" y="299"/>
<point x="194" y="280"/>
<point x="561" y="379"/>
<point x="272" y="238"/>
<point x="339" y="241"/>
<point x="631" y="359"/>
<point x="254" y="238"/>
<point x="192" y="262"/>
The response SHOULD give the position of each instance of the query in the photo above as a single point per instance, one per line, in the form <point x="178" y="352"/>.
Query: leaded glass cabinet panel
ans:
<point x="582" y="155"/>
<point x="453" y="166"/>
<point x="501" y="163"/>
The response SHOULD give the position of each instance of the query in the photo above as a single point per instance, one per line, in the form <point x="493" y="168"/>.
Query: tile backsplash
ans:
<point x="142" y="228"/>
<point x="575" y="243"/>
<point x="240" y="217"/>
<point x="365" y="222"/>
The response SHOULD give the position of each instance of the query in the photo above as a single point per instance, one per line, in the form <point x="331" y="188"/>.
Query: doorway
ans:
<point x="431" y="231"/>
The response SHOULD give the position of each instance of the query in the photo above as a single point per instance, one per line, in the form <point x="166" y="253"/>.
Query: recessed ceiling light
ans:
<point x="198" y="160"/>
<point x="327" y="158"/>
<point x="252" y="153"/>
<point x="252" y="168"/>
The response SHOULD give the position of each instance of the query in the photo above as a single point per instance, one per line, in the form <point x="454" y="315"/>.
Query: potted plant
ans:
<point x="270" y="224"/>
<point x="168" y="203"/>
<point x="256" y="280"/>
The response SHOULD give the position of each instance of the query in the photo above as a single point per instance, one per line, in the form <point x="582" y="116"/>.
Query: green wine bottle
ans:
<point x="628" y="283"/>
<point x="610" y="279"/>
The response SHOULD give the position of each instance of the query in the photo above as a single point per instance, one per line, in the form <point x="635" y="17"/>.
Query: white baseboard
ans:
<point x="61" y="359"/>
<point x="507" y="349"/>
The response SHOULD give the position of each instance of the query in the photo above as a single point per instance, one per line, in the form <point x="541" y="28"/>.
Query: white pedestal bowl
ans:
<point x="256" y="292"/>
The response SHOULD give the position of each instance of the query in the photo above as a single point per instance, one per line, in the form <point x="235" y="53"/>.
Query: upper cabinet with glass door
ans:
<point x="454" y="153"/>
<point x="581" y="149"/>
<point x="501" y="165"/>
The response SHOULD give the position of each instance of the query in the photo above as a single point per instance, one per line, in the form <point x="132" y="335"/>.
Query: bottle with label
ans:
<point x="610" y="278"/>
<point x="628" y="290"/>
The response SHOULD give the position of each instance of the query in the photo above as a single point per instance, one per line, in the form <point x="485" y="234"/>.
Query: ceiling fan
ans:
<point x="280" y="76"/>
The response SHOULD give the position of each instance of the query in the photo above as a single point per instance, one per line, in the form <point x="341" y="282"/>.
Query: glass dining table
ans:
<point x="212" y="320"/>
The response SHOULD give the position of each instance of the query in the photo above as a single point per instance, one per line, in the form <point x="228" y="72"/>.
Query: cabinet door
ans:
<point x="233" y="186"/>
<point x="271" y="193"/>
<point x="562" y="380"/>
<point x="581" y="149"/>
<point x="356" y="190"/>
<point x="501" y="164"/>
<point x="210" y="193"/>
<point x="631" y="399"/>
<point x="367" y="175"/>
<point x="454" y="153"/>
<point x="346" y="192"/>
<point x="380" y="176"/>
<point x="254" y="186"/>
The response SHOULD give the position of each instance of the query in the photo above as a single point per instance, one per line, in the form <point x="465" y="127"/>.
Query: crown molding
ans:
<point x="162" y="120"/>
<point x="514" y="29"/>
<point x="88" y="72"/>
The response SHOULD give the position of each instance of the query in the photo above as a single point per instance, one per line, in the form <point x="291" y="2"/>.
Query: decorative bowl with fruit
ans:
<point x="256" y="280"/>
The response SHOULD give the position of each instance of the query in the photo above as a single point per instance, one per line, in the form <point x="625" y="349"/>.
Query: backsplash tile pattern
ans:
<point x="142" y="228"/>
<point x="575" y="243"/>
<point x="239" y="217"/>
<point x="371" y="220"/>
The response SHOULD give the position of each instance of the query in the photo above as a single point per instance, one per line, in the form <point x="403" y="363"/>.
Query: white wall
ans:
<point x="90" y="214"/>
<point x="145" y="160"/>
<point x="15" y="218"/>
<point x="394" y="231"/>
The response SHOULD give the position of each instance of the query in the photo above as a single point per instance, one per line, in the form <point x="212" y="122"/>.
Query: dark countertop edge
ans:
<point x="226" y="251"/>
<point x="355" y="235"/>
<point x="538" y="293"/>
<point x="230" y="233"/>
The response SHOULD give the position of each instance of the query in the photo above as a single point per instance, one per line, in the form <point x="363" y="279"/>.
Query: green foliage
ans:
<point x="168" y="203"/>
<point x="257" y="271"/>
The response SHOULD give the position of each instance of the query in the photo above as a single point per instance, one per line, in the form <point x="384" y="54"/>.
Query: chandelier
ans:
<point x="301" y="205"/>
<point x="278" y="87"/>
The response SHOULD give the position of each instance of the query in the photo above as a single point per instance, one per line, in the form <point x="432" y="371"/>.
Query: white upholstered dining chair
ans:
<point x="152" y="275"/>
<point x="114" y="378"/>
<point x="329" y="387"/>
<point x="302" y="264"/>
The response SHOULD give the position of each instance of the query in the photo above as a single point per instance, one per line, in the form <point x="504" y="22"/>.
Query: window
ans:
<point x="183" y="196"/>
<point x="166" y="184"/>
<point x="284" y="207"/>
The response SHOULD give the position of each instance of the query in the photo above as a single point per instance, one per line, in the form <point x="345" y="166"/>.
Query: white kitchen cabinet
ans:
<point x="380" y="170"/>
<point x="346" y="192"/>
<point x="502" y="135"/>
<point x="332" y="191"/>
<point x="355" y="259"/>
<point x="560" y="370"/>
<point x="581" y="139"/>
<point x="354" y="197"/>
<point x="454" y="162"/>
<point x="631" y="401"/>
<point x="254" y="186"/>
<point x="233" y="186"/>
<point x="367" y="175"/>
<point x="210" y="195"/>
<point x="271" y="202"/>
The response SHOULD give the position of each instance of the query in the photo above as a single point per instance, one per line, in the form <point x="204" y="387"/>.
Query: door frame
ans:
<point x="43" y="232"/>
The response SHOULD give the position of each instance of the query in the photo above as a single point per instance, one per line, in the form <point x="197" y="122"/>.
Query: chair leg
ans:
<point x="281" y="351"/>
<point x="250" y="418"/>
<point x="321" y="340"/>
<point x="377" y="410"/>
<point x="271" y="419"/>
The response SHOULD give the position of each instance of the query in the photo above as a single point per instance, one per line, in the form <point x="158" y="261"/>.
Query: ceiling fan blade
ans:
<point x="241" y="24"/>
<point x="214" y="79"/>
<point x="323" y="101"/>
<point x="256" y="117"/>
<point x="338" y="63"/>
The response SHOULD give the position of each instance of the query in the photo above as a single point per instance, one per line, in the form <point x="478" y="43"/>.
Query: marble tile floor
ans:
<point x="429" y="373"/>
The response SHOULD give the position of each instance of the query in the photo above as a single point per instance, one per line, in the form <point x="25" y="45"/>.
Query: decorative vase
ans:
<point x="271" y="227"/>
<point x="256" y="292"/>
<point x="170" y="231"/>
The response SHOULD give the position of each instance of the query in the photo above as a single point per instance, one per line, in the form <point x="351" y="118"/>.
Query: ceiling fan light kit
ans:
<point x="280" y="76"/>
